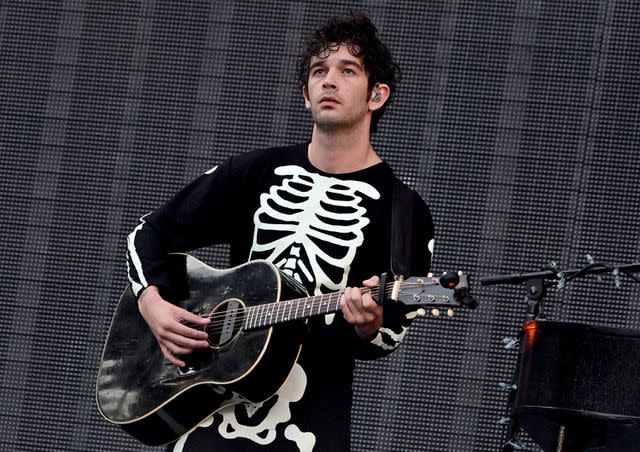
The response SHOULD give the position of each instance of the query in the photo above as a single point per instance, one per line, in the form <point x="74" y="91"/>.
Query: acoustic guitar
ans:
<point x="254" y="342"/>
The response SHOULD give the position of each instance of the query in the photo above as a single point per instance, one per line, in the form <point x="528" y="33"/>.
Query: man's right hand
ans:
<point x="166" y="321"/>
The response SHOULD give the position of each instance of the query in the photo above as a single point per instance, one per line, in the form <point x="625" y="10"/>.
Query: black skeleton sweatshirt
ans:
<point x="328" y="231"/>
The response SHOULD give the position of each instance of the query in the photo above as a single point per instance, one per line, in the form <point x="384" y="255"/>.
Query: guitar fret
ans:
<point x="268" y="314"/>
<point x="256" y="317"/>
<point x="272" y="306"/>
<point x="283" y="309"/>
<point x="249" y="320"/>
<point x="263" y="315"/>
<point x="277" y="309"/>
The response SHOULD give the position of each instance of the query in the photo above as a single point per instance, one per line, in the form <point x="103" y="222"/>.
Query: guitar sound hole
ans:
<point x="226" y="322"/>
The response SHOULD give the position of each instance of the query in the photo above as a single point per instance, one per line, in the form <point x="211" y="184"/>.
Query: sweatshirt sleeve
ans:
<point x="191" y="219"/>
<point x="397" y="317"/>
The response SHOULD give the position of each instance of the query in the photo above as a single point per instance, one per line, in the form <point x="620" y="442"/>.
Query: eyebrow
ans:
<point x="342" y="62"/>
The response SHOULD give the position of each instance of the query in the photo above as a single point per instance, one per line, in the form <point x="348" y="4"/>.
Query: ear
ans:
<point x="379" y="96"/>
<point x="305" y="93"/>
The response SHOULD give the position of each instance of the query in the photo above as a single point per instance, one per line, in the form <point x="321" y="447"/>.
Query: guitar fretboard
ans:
<point x="298" y="308"/>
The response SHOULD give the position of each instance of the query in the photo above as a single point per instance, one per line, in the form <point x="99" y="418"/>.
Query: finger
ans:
<point x="345" y="296"/>
<point x="346" y="308"/>
<point x="184" y="330"/>
<point x="371" y="282"/>
<point x="184" y="342"/>
<point x="368" y="309"/>
<point x="186" y="316"/>
<point x="355" y="298"/>
<point x="167" y="354"/>
<point x="368" y="303"/>
<point x="174" y="324"/>
<point x="176" y="349"/>
<point x="356" y="313"/>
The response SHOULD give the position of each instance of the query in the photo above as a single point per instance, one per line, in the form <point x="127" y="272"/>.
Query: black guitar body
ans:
<point x="156" y="401"/>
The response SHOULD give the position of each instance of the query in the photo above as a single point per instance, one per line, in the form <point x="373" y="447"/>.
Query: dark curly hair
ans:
<point x="359" y="34"/>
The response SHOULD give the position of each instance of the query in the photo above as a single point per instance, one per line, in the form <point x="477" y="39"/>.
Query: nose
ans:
<point x="328" y="82"/>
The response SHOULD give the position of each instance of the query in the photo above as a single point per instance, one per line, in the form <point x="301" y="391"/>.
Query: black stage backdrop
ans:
<point x="516" y="120"/>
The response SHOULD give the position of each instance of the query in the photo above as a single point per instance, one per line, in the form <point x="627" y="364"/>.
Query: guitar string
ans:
<point x="237" y="324"/>
<point x="218" y="320"/>
<point x="316" y="301"/>
<point x="319" y="299"/>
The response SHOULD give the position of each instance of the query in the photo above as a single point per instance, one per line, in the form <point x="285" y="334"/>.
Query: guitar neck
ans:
<point x="418" y="291"/>
<point x="269" y="314"/>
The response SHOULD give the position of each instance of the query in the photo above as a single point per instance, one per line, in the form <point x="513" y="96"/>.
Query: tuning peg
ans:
<point x="449" y="312"/>
<point x="421" y="312"/>
<point x="435" y="312"/>
<point x="505" y="421"/>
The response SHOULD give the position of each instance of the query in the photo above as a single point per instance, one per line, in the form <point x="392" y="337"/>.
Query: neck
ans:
<point x="341" y="151"/>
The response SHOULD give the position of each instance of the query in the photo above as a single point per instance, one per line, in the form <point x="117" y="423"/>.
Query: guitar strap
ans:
<point x="401" y="228"/>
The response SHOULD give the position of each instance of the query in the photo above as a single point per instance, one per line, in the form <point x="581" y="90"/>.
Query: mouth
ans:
<point x="328" y="100"/>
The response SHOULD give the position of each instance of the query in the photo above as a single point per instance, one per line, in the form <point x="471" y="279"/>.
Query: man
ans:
<point x="321" y="211"/>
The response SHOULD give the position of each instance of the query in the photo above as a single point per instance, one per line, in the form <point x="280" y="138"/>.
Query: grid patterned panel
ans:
<point x="517" y="121"/>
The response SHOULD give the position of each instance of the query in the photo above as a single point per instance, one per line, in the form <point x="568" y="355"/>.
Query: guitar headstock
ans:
<point x="447" y="291"/>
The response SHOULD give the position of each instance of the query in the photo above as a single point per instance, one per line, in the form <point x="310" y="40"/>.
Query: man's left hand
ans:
<point x="361" y="309"/>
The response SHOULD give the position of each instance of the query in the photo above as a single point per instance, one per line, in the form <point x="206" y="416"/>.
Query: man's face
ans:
<point x="337" y="92"/>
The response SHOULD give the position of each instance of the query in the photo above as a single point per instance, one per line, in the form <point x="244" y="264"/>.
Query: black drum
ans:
<point x="579" y="387"/>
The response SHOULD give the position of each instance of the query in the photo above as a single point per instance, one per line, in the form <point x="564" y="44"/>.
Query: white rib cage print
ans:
<point x="310" y="214"/>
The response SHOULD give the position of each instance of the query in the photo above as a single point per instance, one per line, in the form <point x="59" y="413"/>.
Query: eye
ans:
<point x="348" y="71"/>
<point x="317" y="72"/>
